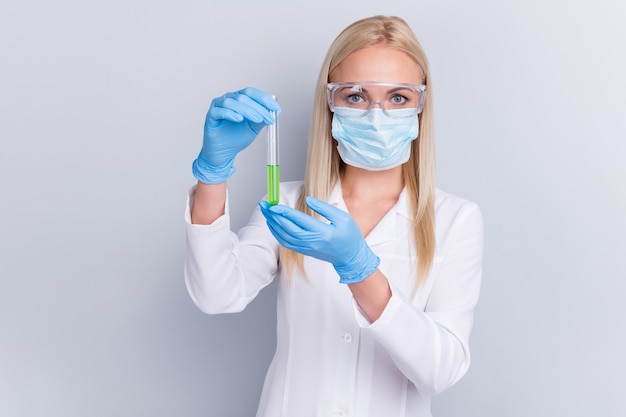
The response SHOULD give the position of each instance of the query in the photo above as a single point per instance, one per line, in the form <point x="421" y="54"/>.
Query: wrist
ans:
<point x="208" y="173"/>
<point x="364" y="264"/>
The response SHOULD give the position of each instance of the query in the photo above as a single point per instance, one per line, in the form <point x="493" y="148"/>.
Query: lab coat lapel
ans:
<point x="386" y="230"/>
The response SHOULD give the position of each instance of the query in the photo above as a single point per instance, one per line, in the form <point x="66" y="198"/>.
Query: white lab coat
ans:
<point x="330" y="361"/>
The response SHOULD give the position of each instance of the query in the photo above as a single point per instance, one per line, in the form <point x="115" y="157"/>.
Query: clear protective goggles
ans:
<point x="362" y="96"/>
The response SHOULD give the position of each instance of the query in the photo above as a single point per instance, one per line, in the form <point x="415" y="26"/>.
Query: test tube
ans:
<point x="273" y="167"/>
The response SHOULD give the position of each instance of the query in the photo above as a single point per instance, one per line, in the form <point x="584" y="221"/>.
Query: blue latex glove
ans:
<point x="339" y="242"/>
<point x="232" y="123"/>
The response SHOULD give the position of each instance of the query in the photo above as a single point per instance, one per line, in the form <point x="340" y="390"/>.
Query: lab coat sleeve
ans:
<point x="430" y="346"/>
<point x="225" y="271"/>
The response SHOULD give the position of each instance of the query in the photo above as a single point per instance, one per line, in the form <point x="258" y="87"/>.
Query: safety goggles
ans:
<point x="362" y="96"/>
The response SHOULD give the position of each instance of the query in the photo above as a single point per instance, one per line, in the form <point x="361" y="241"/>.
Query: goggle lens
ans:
<point x="365" y="96"/>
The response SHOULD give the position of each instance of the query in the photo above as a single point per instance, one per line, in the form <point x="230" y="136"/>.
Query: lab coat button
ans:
<point x="347" y="337"/>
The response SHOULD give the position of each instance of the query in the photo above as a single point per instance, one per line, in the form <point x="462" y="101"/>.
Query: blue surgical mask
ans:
<point x="375" y="141"/>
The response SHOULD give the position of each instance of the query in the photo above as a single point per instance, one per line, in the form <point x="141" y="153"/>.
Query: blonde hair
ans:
<point x="324" y="163"/>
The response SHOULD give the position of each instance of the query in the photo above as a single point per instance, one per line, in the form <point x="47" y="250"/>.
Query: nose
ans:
<point x="380" y="106"/>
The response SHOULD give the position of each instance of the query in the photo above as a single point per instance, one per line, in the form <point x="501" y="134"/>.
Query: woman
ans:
<point x="379" y="272"/>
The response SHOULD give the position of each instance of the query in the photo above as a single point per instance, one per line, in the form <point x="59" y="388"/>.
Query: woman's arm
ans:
<point x="225" y="271"/>
<point x="372" y="295"/>
<point x="431" y="345"/>
<point x="209" y="203"/>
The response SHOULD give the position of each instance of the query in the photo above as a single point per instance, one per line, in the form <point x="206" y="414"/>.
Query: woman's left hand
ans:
<point x="339" y="241"/>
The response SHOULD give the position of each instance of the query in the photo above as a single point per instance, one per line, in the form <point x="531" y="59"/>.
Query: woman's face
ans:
<point x="378" y="63"/>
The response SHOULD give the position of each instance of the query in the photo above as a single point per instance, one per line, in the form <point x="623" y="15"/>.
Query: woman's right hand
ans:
<point x="232" y="123"/>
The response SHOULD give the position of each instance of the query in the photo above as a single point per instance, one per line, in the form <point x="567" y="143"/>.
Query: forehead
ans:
<point x="378" y="63"/>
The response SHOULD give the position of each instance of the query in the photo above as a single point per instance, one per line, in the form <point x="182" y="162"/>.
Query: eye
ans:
<point x="355" y="98"/>
<point x="398" y="99"/>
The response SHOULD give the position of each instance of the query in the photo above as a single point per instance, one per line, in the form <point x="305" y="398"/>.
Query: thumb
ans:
<point x="328" y="211"/>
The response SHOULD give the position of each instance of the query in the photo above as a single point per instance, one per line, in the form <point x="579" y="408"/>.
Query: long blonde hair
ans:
<point x="324" y="163"/>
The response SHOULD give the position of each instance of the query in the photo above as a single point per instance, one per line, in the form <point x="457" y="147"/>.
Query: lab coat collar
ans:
<point x="386" y="230"/>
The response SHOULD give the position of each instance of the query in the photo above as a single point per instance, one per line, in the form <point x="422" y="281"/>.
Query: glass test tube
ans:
<point x="273" y="167"/>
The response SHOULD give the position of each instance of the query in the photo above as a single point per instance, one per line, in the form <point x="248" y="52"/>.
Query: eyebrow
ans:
<point x="389" y="91"/>
<point x="392" y="90"/>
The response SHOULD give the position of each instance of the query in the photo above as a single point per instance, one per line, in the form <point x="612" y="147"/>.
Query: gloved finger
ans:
<point x="272" y="218"/>
<point x="242" y="105"/>
<point x="217" y="114"/>
<point x="285" y="238"/>
<point x="289" y="234"/>
<point x="262" y="97"/>
<point x="290" y="242"/>
<point x="295" y="233"/>
<point x="287" y="229"/>
<point x="301" y="220"/>
<point x="250" y="108"/>
<point x="281" y="236"/>
<point x="264" y="205"/>
<point x="236" y="107"/>
<point x="328" y="211"/>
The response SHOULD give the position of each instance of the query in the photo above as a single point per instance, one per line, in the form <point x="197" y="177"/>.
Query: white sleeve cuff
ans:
<point x="390" y="309"/>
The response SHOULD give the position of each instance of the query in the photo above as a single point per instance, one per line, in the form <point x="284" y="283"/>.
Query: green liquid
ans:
<point x="273" y="184"/>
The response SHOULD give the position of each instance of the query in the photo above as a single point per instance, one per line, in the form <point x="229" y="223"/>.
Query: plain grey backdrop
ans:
<point x="101" y="113"/>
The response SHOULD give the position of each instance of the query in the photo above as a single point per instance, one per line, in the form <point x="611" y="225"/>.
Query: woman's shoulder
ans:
<point x="449" y="206"/>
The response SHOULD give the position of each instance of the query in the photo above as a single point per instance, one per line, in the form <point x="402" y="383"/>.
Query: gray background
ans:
<point x="101" y="113"/>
